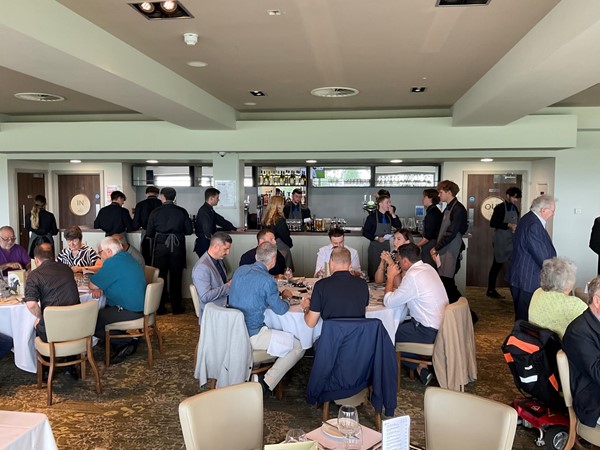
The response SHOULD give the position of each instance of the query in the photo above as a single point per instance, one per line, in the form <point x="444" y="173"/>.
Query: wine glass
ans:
<point x="348" y="423"/>
<point x="288" y="274"/>
<point x="295" y="435"/>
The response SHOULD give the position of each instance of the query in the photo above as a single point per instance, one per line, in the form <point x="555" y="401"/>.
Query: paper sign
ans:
<point x="227" y="196"/>
<point x="396" y="433"/>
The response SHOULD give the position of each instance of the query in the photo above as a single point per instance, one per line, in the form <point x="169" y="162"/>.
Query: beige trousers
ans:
<point x="282" y="365"/>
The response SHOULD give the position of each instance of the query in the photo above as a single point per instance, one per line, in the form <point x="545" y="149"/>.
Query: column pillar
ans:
<point x="228" y="167"/>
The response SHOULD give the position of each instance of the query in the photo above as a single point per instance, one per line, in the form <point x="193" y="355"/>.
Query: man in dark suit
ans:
<point x="531" y="247"/>
<point x="140" y="220"/>
<point x="113" y="218"/>
<point x="582" y="346"/>
<point x="264" y="235"/>
<point x="207" y="221"/>
<point x="595" y="240"/>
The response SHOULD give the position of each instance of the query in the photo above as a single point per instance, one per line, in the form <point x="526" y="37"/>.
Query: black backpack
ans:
<point x="530" y="352"/>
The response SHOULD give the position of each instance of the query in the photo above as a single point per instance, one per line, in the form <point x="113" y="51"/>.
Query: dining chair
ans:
<point x="224" y="419"/>
<point x="576" y="428"/>
<point x="142" y="327"/>
<point x="151" y="274"/>
<point x="196" y="303"/>
<point x="581" y="294"/>
<point x="452" y="355"/>
<point x="225" y="355"/>
<point x="461" y="421"/>
<point x="69" y="330"/>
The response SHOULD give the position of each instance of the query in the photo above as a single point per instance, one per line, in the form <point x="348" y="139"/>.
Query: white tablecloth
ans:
<point x="25" y="431"/>
<point x="293" y="320"/>
<point x="17" y="322"/>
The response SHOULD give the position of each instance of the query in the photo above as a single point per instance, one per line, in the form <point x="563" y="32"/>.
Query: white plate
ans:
<point x="332" y="430"/>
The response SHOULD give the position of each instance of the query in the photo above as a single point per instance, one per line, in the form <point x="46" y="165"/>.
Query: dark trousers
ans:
<point x="451" y="289"/>
<point x="112" y="314"/>
<point x="6" y="344"/>
<point x="146" y="247"/>
<point x="171" y="264"/>
<point x="413" y="331"/>
<point x="521" y="299"/>
<point x="493" y="276"/>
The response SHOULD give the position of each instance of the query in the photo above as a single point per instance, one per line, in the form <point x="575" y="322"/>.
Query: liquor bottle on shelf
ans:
<point x="303" y="179"/>
<point x="293" y="178"/>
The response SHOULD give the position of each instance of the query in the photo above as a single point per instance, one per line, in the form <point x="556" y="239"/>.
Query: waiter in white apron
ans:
<point x="504" y="221"/>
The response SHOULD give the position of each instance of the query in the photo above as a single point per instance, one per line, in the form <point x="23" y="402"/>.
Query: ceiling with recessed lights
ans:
<point x="402" y="57"/>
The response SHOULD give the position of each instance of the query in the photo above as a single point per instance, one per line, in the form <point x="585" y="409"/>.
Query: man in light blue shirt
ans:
<point x="252" y="291"/>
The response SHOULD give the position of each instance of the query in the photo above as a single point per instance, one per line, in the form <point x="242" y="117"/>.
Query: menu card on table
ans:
<point x="396" y="433"/>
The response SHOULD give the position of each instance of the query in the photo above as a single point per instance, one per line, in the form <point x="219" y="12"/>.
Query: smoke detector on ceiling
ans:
<point x="39" y="97"/>
<point x="334" y="92"/>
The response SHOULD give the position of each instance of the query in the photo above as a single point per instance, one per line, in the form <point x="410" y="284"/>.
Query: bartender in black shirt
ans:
<point x="168" y="225"/>
<point x="140" y="220"/>
<point x="207" y="221"/>
<point x="295" y="209"/>
<point x="114" y="218"/>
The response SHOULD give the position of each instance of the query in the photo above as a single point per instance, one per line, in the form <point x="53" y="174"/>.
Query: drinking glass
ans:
<point x="354" y="441"/>
<point x="348" y="423"/>
<point x="295" y="435"/>
<point x="288" y="274"/>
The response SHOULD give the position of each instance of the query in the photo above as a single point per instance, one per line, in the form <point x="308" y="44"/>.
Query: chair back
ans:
<point x="195" y="299"/>
<point x="474" y="423"/>
<point x="151" y="274"/>
<point x="580" y="293"/>
<point x="565" y="377"/>
<point x="70" y="323"/>
<point x="224" y="419"/>
<point x="153" y="295"/>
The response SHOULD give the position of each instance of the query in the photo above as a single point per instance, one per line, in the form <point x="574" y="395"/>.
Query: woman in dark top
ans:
<point x="275" y="221"/>
<point x="376" y="226"/>
<point x="41" y="224"/>
<point x="431" y="225"/>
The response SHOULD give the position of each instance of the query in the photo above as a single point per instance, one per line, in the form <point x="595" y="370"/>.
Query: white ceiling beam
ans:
<point x="558" y="58"/>
<point x="43" y="39"/>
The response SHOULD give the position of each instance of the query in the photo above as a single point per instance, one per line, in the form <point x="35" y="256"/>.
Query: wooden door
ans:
<point x="78" y="200"/>
<point x="28" y="186"/>
<point x="485" y="192"/>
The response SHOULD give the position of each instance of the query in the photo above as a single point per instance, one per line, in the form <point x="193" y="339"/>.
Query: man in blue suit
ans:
<point x="531" y="246"/>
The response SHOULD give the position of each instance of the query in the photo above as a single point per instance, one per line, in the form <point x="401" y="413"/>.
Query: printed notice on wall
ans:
<point x="227" y="196"/>
<point x="110" y="188"/>
<point x="396" y="433"/>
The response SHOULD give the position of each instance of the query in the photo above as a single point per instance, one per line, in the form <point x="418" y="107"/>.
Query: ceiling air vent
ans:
<point x="462" y="2"/>
<point x="334" y="92"/>
<point x="39" y="97"/>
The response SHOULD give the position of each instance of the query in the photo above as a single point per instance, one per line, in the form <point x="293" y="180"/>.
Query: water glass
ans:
<point x="354" y="441"/>
<point x="295" y="435"/>
<point x="348" y="420"/>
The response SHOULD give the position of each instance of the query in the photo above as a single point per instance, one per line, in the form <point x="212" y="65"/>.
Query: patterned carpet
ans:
<point x="138" y="406"/>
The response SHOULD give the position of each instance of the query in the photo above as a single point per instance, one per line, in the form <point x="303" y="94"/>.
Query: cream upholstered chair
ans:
<point x="224" y="419"/>
<point x="576" y="428"/>
<point x="461" y="421"/>
<point x="580" y="293"/>
<point x="151" y="274"/>
<point x="141" y="327"/>
<point x="454" y="348"/>
<point x="196" y="303"/>
<point x="69" y="330"/>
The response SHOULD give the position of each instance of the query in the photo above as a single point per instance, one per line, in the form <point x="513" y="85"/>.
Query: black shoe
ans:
<point x="179" y="310"/>
<point x="265" y="387"/>
<point x="425" y="376"/>
<point x="494" y="294"/>
<point x="162" y="311"/>
<point x="124" y="352"/>
<point x="71" y="372"/>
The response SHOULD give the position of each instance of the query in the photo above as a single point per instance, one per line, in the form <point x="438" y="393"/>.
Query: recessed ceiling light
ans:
<point x="258" y="93"/>
<point x="161" y="10"/>
<point x="487" y="159"/>
<point x="152" y="161"/>
<point x="197" y="64"/>
<point x="274" y="12"/>
<point x="39" y="97"/>
<point x="169" y="6"/>
<point x="462" y="2"/>
<point x="147" y="7"/>
<point x="311" y="161"/>
<point x="334" y="92"/>
<point x="250" y="103"/>
<point x="75" y="161"/>
<point x="395" y="161"/>
<point x="418" y="89"/>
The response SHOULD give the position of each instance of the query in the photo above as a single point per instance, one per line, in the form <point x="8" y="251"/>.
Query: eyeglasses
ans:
<point x="8" y="239"/>
<point x="100" y="252"/>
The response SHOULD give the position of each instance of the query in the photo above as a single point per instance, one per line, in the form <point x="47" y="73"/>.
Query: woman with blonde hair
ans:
<point x="274" y="220"/>
<point x="41" y="224"/>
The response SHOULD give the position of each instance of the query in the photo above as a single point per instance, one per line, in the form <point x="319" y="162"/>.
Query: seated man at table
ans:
<point x="336" y="239"/>
<point x="252" y="291"/>
<point x="209" y="274"/>
<point x="51" y="284"/>
<point x="264" y="235"/>
<point x="123" y="283"/>
<point x="12" y="255"/>
<point x="423" y="293"/>
<point x="341" y="295"/>
<point x="582" y="346"/>
<point x="129" y="249"/>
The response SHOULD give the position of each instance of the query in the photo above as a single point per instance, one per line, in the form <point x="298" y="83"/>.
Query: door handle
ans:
<point x="23" y="208"/>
